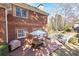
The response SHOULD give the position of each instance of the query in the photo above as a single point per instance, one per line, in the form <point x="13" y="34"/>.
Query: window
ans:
<point x="21" y="33"/>
<point x="21" y="12"/>
<point x="18" y="11"/>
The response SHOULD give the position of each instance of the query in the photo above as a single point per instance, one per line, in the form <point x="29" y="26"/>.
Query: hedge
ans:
<point x="4" y="51"/>
<point x="73" y="40"/>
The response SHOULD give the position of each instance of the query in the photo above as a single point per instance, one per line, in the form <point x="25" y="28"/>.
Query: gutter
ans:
<point x="6" y="25"/>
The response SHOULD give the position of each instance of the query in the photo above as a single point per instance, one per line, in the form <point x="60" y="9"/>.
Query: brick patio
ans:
<point x="30" y="52"/>
<point x="45" y="52"/>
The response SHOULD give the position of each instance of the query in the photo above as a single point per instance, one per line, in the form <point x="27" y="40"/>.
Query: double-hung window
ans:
<point x="21" y="33"/>
<point x="18" y="11"/>
<point x="21" y="12"/>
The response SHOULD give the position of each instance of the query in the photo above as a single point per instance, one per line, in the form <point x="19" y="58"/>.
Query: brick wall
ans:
<point x="33" y="21"/>
<point x="2" y="25"/>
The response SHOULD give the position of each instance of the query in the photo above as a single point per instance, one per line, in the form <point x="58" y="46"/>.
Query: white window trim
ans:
<point x="21" y="36"/>
<point x="21" y="13"/>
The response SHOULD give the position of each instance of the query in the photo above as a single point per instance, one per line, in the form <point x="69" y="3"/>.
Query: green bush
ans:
<point x="4" y="49"/>
<point x="63" y="32"/>
<point x="73" y="40"/>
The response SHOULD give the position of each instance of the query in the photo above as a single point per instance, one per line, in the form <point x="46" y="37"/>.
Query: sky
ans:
<point x="58" y="8"/>
<point x="50" y="8"/>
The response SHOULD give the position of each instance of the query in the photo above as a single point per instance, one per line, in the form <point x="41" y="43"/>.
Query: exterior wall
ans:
<point x="2" y="25"/>
<point x="28" y="7"/>
<point x="33" y="21"/>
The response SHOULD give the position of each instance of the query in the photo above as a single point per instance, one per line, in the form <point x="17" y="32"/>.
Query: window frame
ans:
<point x="19" y="33"/>
<point x="21" y="9"/>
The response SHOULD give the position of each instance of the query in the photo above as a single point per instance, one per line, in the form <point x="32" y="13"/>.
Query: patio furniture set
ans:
<point x="40" y="44"/>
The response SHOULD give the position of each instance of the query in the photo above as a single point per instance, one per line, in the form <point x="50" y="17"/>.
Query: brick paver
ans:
<point x="67" y="50"/>
<point x="45" y="51"/>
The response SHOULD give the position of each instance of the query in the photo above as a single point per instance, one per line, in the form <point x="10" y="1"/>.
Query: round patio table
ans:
<point x="37" y="44"/>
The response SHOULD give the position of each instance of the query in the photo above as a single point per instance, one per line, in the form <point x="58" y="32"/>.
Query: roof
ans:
<point x="4" y="5"/>
<point x="25" y="6"/>
<point x="40" y="5"/>
<point x="29" y="7"/>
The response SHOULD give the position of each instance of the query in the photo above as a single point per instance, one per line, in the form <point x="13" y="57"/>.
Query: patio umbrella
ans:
<point x="38" y="33"/>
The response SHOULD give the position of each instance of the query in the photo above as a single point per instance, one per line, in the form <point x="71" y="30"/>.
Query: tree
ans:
<point x="70" y="11"/>
<point x="58" y="22"/>
<point x="50" y="25"/>
<point x="66" y="15"/>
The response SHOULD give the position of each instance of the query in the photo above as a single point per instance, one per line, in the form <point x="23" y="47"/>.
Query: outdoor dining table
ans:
<point x="37" y="44"/>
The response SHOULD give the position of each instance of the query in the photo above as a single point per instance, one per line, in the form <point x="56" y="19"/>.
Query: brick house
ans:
<point x="3" y="23"/>
<point x="16" y="19"/>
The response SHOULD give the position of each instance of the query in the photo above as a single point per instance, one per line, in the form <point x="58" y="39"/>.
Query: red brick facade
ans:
<point x="33" y="21"/>
<point x="36" y="19"/>
<point x="2" y="24"/>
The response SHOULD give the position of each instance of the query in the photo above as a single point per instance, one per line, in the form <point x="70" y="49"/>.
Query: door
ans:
<point x="2" y="25"/>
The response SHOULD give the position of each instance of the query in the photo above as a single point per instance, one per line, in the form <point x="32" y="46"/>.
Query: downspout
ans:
<point x="6" y="25"/>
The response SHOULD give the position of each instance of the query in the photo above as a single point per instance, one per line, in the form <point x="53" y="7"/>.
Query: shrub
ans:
<point x="73" y="40"/>
<point x="63" y="32"/>
<point x="3" y="49"/>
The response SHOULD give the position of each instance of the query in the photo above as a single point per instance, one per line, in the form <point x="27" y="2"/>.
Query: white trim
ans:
<point x="6" y="25"/>
<point x="21" y="36"/>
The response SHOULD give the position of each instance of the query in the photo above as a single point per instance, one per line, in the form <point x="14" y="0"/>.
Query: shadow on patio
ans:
<point x="67" y="50"/>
